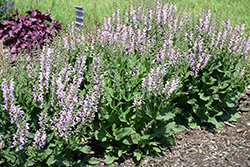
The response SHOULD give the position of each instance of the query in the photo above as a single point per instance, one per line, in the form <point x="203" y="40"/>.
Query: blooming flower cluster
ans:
<point x="153" y="82"/>
<point x="2" y="143"/>
<point x="20" y="137"/>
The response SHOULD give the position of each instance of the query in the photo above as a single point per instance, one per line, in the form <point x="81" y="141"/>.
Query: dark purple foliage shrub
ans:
<point x="26" y="31"/>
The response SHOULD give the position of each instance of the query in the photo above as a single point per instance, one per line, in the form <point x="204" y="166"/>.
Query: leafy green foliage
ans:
<point x="209" y="96"/>
<point x="122" y="131"/>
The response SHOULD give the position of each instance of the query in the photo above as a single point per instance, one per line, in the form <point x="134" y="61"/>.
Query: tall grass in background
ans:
<point x="64" y="11"/>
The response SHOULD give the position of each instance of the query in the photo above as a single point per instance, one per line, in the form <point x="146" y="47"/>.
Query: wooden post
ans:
<point x="2" y="54"/>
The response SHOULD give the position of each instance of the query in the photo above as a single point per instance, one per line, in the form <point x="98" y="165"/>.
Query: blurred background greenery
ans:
<point x="64" y="11"/>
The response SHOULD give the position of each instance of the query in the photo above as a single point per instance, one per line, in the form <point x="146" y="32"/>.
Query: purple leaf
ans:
<point x="23" y="33"/>
<point x="27" y="23"/>
<point x="11" y="33"/>
<point x="56" y="24"/>
<point x="13" y="49"/>
<point x="49" y="30"/>
<point x="33" y="19"/>
<point x="12" y="15"/>
<point x="32" y="12"/>
<point x="5" y="22"/>
<point x="41" y="17"/>
<point x="5" y="37"/>
<point x="47" y="15"/>
<point x="23" y="18"/>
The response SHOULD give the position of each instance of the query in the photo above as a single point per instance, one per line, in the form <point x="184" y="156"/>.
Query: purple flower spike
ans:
<point x="12" y="4"/>
<point x="6" y="5"/>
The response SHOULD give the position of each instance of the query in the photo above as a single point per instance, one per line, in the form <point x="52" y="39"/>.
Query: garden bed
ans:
<point x="128" y="126"/>
<point x="229" y="146"/>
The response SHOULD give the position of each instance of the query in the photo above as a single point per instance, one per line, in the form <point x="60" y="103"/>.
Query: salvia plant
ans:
<point x="5" y="7"/>
<point x="127" y="87"/>
<point x="27" y="31"/>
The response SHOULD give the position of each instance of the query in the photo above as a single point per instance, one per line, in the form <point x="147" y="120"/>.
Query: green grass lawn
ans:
<point x="64" y="11"/>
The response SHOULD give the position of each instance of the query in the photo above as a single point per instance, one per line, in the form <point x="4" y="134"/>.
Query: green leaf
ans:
<point x="49" y="137"/>
<point x="122" y="132"/>
<point x="113" y="118"/>
<point x="10" y="157"/>
<point x="30" y="162"/>
<point x="224" y="85"/>
<point x="192" y="101"/>
<point x="137" y="154"/>
<point x="133" y="116"/>
<point x="218" y="65"/>
<point x="67" y="162"/>
<point x="177" y="110"/>
<point x="31" y="135"/>
<point x="100" y="135"/>
<point x="170" y="126"/>
<point x="2" y="161"/>
<point x="129" y="97"/>
<point x="145" y="137"/>
<point x="202" y="97"/>
<point x="162" y="130"/>
<point x="122" y="118"/>
<point x="241" y="108"/>
<point x="120" y="152"/>
<point x="230" y="105"/>
<point x="216" y="97"/>
<point x="84" y="149"/>
<point x="171" y="140"/>
<point x="234" y="117"/>
<point x="132" y="139"/>
<point x="213" y="88"/>
<point x="44" y="154"/>
<point x="52" y="145"/>
<point x="51" y="160"/>
<point x="152" y="144"/>
<point x="156" y="149"/>
<point x="164" y="116"/>
<point x="213" y="120"/>
<point x="111" y="102"/>
<point x="179" y="128"/>
<point x="110" y="91"/>
<point x="93" y="160"/>
<point x="211" y="81"/>
<point x="62" y="161"/>
<point x="110" y="160"/>
<point x="123" y="115"/>
<point x="219" y="113"/>
<point x="192" y="125"/>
